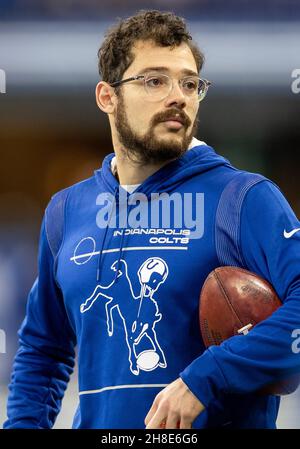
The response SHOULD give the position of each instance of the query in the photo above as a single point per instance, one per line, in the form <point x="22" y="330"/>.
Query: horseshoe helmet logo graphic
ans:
<point x="138" y="313"/>
<point x="152" y="273"/>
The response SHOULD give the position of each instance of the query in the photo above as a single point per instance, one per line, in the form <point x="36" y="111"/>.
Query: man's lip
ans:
<point x="174" y="119"/>
<point x="173" y="124"/>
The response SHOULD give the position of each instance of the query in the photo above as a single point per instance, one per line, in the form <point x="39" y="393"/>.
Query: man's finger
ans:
<point x="172" y="422"/>
<point x="156" y="420"/>
<point x="151" y="412"/>
<point x="185" y="424"/>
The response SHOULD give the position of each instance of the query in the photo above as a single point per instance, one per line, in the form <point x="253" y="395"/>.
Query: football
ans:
<point x="232" y="302"/>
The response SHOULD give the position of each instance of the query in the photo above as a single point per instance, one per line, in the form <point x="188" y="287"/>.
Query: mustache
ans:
<point x="171" y="113"/>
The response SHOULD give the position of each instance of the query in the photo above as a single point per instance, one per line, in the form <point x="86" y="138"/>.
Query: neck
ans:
<point x="132" y="173"/>
<point x="129" y="172"/>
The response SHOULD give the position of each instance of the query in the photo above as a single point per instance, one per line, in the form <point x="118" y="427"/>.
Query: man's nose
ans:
<point x="175" y="97"/>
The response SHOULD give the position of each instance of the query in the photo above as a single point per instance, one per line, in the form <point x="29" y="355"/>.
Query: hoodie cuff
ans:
<point x="205" y="379"/>
<point x="21" y="424"/>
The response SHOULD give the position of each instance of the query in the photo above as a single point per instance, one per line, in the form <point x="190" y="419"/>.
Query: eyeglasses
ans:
<point x="158" y="86"/>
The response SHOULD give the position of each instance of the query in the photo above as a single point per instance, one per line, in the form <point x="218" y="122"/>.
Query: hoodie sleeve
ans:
<point x="45" y="358"/>
<point x="270" y="245"/>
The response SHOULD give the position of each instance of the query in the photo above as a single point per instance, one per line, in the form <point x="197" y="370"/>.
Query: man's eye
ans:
<point x="154" y="82"/>
<point x="190" y="85"/>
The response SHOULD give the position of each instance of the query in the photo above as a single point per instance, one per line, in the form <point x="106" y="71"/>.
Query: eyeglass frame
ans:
<point x="206" y="82"/>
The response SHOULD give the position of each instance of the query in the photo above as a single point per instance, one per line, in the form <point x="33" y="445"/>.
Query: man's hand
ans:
<point x="175" y="407"/>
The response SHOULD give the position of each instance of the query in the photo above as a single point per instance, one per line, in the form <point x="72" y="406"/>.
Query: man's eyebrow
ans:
<point x="165" y="69"/>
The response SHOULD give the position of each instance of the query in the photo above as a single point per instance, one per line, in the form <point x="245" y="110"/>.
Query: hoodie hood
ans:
<point x="198" y="159"/>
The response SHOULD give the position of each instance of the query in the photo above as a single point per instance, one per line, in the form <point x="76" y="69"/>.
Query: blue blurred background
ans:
<point x="52" y="134"/>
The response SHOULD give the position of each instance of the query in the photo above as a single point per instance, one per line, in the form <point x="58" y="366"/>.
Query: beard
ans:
<point x="148" y="149"/>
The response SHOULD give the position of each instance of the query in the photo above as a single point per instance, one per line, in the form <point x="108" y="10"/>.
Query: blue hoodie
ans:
<point x="129" y="299"/>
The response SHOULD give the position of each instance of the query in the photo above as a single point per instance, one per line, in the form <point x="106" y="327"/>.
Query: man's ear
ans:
<point x="105" y="97"/>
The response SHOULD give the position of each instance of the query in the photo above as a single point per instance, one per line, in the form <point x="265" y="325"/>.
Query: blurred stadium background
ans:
<point x="52" y="134"/>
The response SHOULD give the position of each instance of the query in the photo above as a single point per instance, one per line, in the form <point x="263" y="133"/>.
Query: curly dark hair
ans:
<point x="164" y="28"/>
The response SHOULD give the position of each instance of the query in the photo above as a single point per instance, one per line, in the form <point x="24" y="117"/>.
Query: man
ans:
<point x="128" y="295"/>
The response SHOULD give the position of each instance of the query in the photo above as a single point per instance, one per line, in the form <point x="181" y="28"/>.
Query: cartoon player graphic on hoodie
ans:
<point x="138" y="313"/>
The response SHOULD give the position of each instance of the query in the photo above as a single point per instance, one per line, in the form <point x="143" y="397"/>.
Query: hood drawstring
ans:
<point x="120" y="255"/>
<point x="116" y="195"/>
<point x="105" y="233"/>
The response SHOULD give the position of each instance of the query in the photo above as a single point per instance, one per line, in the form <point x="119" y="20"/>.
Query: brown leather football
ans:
<point x="232" y="302"/>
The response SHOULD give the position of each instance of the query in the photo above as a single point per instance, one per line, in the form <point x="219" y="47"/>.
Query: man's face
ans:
<point x="142" y="124"/>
